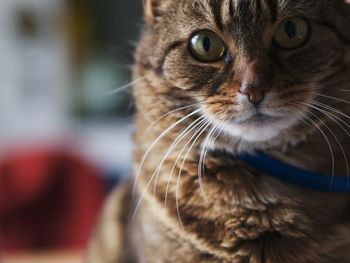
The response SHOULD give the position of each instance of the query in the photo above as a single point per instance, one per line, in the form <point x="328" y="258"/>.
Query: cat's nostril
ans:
<point x="254" y="93"/>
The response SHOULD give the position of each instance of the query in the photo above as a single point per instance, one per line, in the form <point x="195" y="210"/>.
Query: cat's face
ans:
<point x="251" y="65"/>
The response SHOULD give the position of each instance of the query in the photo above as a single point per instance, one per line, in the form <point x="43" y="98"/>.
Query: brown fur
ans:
<point x="240" y="215"/>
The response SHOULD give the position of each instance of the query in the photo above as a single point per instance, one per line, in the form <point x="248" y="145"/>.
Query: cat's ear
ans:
<point x="152" y="10"/>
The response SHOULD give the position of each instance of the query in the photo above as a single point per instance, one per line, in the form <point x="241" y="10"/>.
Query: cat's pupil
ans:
<point x="291" y="29"/>
<point x="206" y="44"/>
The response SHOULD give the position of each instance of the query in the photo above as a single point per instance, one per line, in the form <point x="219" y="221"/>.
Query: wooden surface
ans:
<point x="47" y="257"/>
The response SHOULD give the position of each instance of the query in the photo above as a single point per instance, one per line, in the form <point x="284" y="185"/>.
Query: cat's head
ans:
<point x="254" y="67"/>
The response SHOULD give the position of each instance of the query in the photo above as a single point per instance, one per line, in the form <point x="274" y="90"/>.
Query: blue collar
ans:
<point x="295" y="175"/>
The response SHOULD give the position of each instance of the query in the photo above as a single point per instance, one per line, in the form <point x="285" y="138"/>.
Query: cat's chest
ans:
<point x="239" y="242"/>
<point x="231" y="213"/>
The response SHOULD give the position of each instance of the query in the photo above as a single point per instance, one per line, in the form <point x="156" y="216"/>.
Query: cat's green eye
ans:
<point x="292" y="33"/>
<point x="207" y="47"/>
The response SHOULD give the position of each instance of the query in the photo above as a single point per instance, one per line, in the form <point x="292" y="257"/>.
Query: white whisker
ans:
<point x="150" y="148"/>
<point x="327" y="141"/>
<point x="325" y="106"/>
<point x="201" y="168"/>
<point x="334" y="135"/>
<point x="201" y="131"/>
<point x="178" y="139"/>
<point x="147" y="153"/>
<point x="167" y="114"/>
<point x="126" y="86"/>
<point x="179" y="156"/>
<point x="333" y="98"/>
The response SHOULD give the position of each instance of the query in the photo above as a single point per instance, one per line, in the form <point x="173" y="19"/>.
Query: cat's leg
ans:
<point x="110" y="241"/>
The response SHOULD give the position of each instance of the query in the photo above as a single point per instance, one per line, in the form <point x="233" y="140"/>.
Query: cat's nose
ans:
<point x="255" y="93"/>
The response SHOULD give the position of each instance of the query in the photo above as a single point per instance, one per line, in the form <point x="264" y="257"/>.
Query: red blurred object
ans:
<point x="48" y="200"/>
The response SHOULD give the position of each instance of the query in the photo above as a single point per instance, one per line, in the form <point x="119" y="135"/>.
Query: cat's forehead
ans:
<point x="242" y="16"/>
<point x="248" y="9"/>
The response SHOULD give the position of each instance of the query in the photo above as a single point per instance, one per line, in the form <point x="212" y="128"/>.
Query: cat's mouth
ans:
<point x="258" y="126"/>
<point x="257" y="119"/>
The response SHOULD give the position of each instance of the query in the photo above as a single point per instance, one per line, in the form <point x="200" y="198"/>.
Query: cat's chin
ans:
<point x="258" y="130"/>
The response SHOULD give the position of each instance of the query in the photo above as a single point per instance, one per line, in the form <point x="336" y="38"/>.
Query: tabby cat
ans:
<point x="215" y="79"/>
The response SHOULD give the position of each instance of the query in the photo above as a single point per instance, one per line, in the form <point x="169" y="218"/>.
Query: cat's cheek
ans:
<point x="215" y="112"/>
<point x="187" y="76"/>
<point x="176" y="72"/>
<point x="181" y="83"/>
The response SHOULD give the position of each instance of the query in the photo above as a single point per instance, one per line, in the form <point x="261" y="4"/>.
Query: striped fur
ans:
<point x="229" y="212"/>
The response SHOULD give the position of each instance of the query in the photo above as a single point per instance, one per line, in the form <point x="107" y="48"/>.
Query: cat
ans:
<point x="215" y="79"/>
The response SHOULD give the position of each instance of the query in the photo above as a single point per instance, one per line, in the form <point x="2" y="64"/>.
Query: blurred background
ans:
<point x="65" y="136"/>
